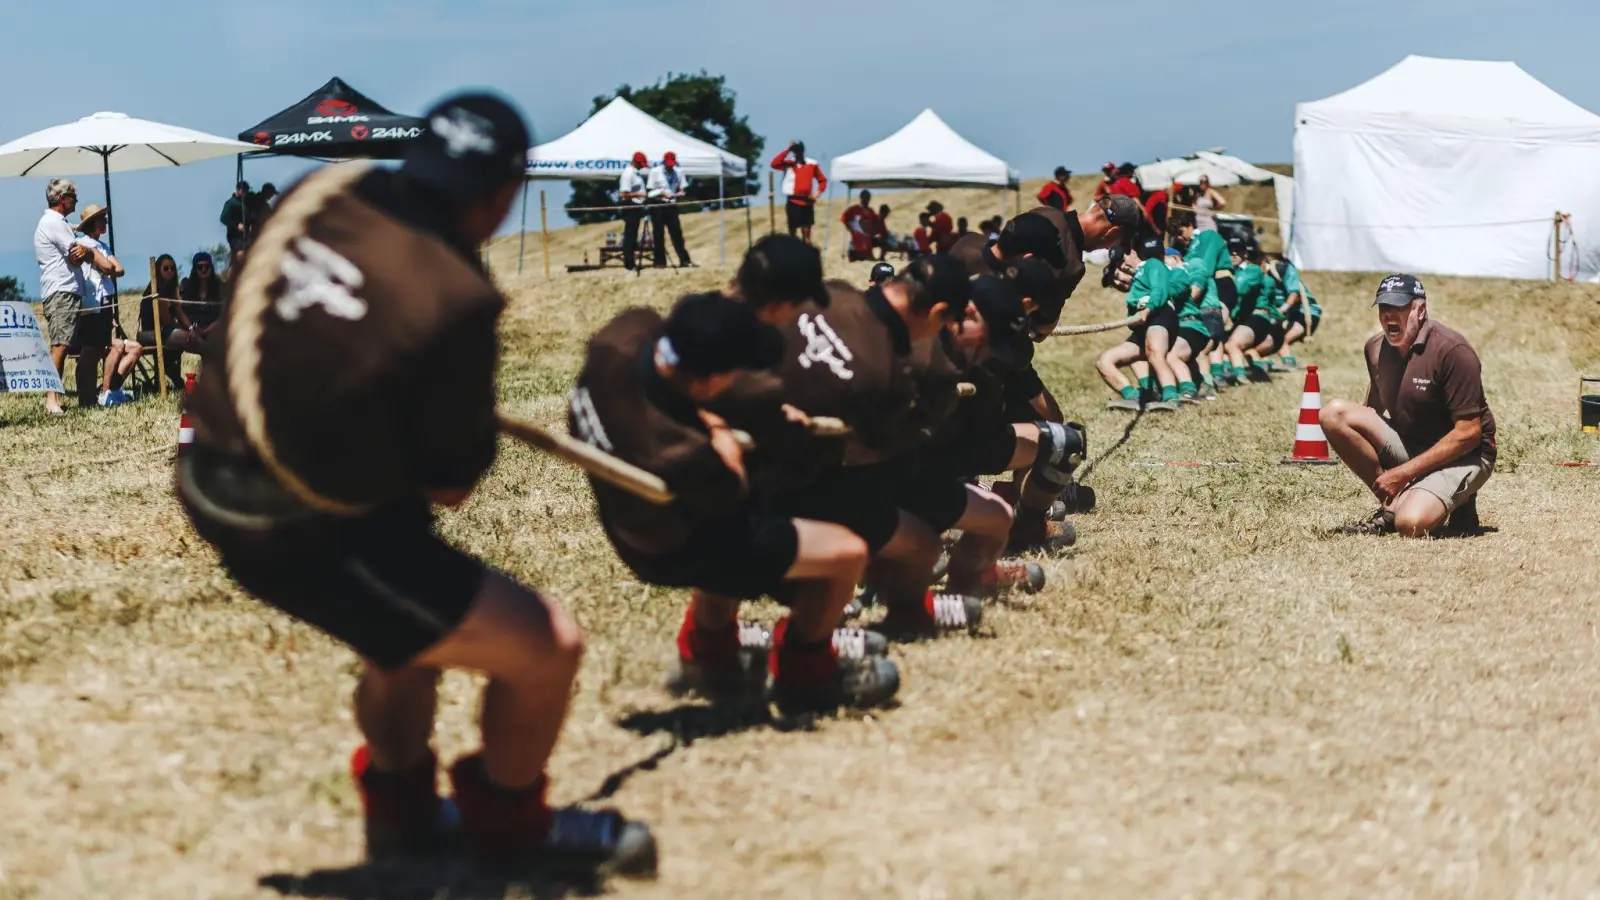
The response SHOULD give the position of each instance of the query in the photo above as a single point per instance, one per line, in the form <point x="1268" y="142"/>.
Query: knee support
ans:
<point x="1061" y="450"/>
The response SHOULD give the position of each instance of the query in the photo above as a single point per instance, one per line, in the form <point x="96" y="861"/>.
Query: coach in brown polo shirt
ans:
<point x="1423" y="440"/>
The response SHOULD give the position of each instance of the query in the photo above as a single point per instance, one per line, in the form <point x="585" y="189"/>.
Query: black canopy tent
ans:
<point x="335" y="121"/>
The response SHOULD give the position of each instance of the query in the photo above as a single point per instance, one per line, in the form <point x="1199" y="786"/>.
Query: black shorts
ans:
<point x="1136" y="336"/>
<point x="383" y="583"/>
<point x="986" y="451"/>
<point x="1265" y="329"/>
<point x="1165" y="317"/>
<point x="746" y="555"/>
<point x="1197" y="338"/>
<point x="1215" y="323"/>
<point x="938" y="499"/>
<point x="1298" y="317"/>
<point x="93" y="329"/>
<point x="868" y="499"/>
<point x="801" y="215"/>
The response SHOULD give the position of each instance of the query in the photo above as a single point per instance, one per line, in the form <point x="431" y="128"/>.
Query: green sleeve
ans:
<point x="1149" y="286"/>
<point x="1247" y="282"/>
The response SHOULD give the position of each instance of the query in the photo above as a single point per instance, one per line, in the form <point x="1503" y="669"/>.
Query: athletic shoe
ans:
<point x="598" y="841"/>
<point x="865" y="683"/>
<point x="1053" y="538"/>
<point x="1123" y="403"/>
<point x="1380" y="522"/>
<point x="404" y="815"/>
<point x="105" y="399"/>
<point x="1189" y="398"/>
<point x="939" y="614"/>
<point x="849" y="643"/>
<point x="1208" y="392"/>
<point x="745" y="677"/>
<point x="1057" y="511"/>
<point x="1011" y="574"/>
<point x="1465" y="518"/>
<point x="117" y="397"/>
<point x="1259" y="375"/>
<point x="1289" y="362"/>
<point x="1279" y="368"/>
<point x="1079" y="498"/>
<point x="1165" y="406"/>
<point x="866" y="596"/>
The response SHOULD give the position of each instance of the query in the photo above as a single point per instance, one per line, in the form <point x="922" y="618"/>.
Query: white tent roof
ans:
<point x="1461" y="96"/>
<point x="925" y="153"/>
<point x="111" y="142"/>
<point x="601" y="148"/>
<point x="1224" y="171"/>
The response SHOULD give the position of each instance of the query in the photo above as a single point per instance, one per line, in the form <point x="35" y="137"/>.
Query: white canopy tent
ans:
<point x="1222" y="171"/>
<point x="603" y="146"/>
<point x="109" y="142"/>
<point x="1445" y="166"/>
<point x="927" y="152"/>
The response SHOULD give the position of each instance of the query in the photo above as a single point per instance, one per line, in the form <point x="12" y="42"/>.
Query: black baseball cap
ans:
<point x="708" y="334"/>
<point x="999" y="302"/>
<point x="1033" y="233"/>
<point x="1400" y="290"/>
<point x="779" y="269"/>
<point x="1124" y="212"/>
<point x="1238" y="245"/>
<point x="946" y="280"/>
<point x="474" y="142"/>
<point x="1033" y="278"/>
<point x="881" y="272"/>
<point x="1149" y="247"/>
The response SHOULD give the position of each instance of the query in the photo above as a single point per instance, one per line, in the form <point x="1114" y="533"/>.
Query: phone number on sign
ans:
<point x="25" y="383"/>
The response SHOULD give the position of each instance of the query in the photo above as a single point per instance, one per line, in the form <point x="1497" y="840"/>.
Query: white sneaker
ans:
<point x="105" y="399"/>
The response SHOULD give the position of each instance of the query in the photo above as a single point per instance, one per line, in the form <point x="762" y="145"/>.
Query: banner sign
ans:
<point x="25" y="364"/>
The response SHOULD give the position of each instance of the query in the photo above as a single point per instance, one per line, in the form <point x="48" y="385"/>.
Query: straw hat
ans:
<point x="90" y="213"/>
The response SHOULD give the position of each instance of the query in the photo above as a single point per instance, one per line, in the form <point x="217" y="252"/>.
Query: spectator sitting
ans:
<point x="100" y="271"/>
<point x="236" y="215"/>
<point x="1056" y="193"/>
<point x="942" y="231"/>
<point x="961" y="227"/>
<point x="859" y="222"/>
<point x="201" y="294"/>
<point x="991" y="228"/>
<point x="179" y="335"/>
<point x="922" y="238"/>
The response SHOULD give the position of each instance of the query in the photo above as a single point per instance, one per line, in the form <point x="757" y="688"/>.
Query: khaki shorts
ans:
<point x="1454" y="484"/>
<point x="61" y="317"/>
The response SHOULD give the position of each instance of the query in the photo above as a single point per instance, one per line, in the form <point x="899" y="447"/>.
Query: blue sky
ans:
<point x="1038" y="82"/>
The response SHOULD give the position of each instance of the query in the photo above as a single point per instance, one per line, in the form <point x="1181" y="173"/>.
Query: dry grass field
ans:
<point x="1214" y="696"/>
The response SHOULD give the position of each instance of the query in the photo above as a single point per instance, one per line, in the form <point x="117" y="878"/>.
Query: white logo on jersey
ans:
<point x="317" y="276"/>
<point x="587" y="421"/>
<point x="464" y="132"/>
<point x="823" y="346"/>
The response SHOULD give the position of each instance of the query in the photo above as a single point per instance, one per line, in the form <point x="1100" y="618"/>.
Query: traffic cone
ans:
<point x="185" y="427"/>
<point x="1310" y="444"/>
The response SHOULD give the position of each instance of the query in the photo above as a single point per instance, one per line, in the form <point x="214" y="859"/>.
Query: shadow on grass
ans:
<point x="1126" y="434"/>
<point x="416" y="880"/>
<point x="685" y="724"/>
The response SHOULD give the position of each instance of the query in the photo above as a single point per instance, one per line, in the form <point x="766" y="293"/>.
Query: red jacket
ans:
<point x="1053" y="189"/>
<point x="802" y="182"/>
<point x="1155" y="209"/>
<point x="1126" y="187"/>
<point x="943" y="232"/>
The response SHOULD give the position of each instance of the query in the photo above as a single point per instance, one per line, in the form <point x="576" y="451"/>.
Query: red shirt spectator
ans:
<point x="1155" y="211"/>
<point x="941" y="230"/>
<point x="1126" y="186"/>
<point x="921" y="239"/>
<point x="1056" y="193"/>
<point x="1109" y="170"/>
<point x="803" y="181"/>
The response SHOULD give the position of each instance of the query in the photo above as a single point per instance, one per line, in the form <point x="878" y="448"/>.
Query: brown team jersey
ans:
<point x="1426" y="391"/>
<point x="853" y="361"/>
<point x="623" y="406"/>
<point x="973" y="252"/>
<point x="357" y="358"/>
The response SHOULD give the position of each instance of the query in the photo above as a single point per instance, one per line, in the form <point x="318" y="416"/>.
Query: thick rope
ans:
<point x="1067" y="330"/>
<point x="251" y="302"/>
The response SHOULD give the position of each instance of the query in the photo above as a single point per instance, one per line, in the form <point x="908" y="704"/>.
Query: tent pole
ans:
<point x="1555" y="274"/>
<point x="544" y="235"/>
<point x="827" y="221"/>
<point x="749" y="227"/>
<point x="111" y="226"/>
<point x="772" y="205"/>
<point x="155" y="316"/>
<point x="722" y="220"/>
<point x="522" y="232"/>
<point x="1002" y="206"/>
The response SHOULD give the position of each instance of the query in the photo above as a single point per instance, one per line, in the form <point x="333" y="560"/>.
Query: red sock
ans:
<point x="499" y="822"/>
<point x="796" y="664"/>
<point x="698" y="645"/>
<point x="406" y="800"/>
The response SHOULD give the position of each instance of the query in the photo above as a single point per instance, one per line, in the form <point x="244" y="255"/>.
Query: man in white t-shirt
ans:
<point x="632" y="190"/>
<point x="97" y="328"/>
<point x="61" y="287"/>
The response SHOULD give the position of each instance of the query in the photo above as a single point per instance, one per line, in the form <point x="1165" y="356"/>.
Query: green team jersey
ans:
<point x="1292" y="284"/>
<point x="1149" y="288"/>
<point x="1248" y="281"/>
<point x="1272" y="295"/>
<point x="1179" y="296"/>
<point x="1207" y="255"/>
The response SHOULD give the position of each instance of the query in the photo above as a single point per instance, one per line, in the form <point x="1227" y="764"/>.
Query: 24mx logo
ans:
<point x="303" y="137"/>
<point x="394" y="134"/>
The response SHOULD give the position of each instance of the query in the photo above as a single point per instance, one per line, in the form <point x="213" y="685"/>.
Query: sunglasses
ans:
<point x="168" y="269"/>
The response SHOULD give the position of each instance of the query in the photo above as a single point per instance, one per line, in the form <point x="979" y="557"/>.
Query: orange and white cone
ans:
<point x="185" y="427"/>
<point x="1310" y="444"/>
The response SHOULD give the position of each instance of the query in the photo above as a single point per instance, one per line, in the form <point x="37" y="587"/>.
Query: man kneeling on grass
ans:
<point x="1423" y="440"/>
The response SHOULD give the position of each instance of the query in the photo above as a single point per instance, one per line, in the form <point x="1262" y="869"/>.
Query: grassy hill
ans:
<point x="1213" y="697"/>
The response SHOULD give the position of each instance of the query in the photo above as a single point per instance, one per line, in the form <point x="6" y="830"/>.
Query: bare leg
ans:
<point x="1355" y="432"/>
<point x="1294" y="335"/>
<point x="1157" y="343"/>
<point x="1111" y="363"/>
<point x="1027" y="448"/>
<point x="830" y="563"/>
<point x="1242" y="338"/>
<point x="58" y="356"/>
<point x="113" y="359"/>
<point x="394" y="710"/>
<point x="903" y="569"/>
<point x="531" y="649"/>
<point x="131" y="352"/>
<point x="985" y="526"/>
<point x="1417" y="512"/>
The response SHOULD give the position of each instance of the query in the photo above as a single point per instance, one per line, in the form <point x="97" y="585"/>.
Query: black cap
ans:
<point x="780" y="269"/>
<point x="1033" y="279"/>
<point x="1063" y="172"/>
<point x="1032" y="233"/>
<point x="1005" y="318"/>
<point x="1149" y="247"/>
<point x="474" y="143"/>
<point x="945" y="279"/>
<point x="881" y="272"/>
<point x="1238" y="245"/>
<point x="708" y="334"/>
<point x="1399" y="290"/>
<point x="1124" y="212"/>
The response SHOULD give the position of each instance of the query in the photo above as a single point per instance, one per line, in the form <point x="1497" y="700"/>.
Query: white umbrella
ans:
<point x="109" y="142"/>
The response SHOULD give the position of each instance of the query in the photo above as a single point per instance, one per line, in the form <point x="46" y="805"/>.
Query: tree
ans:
<point x="10" y="289"/>
<point x="700" y="106"/>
